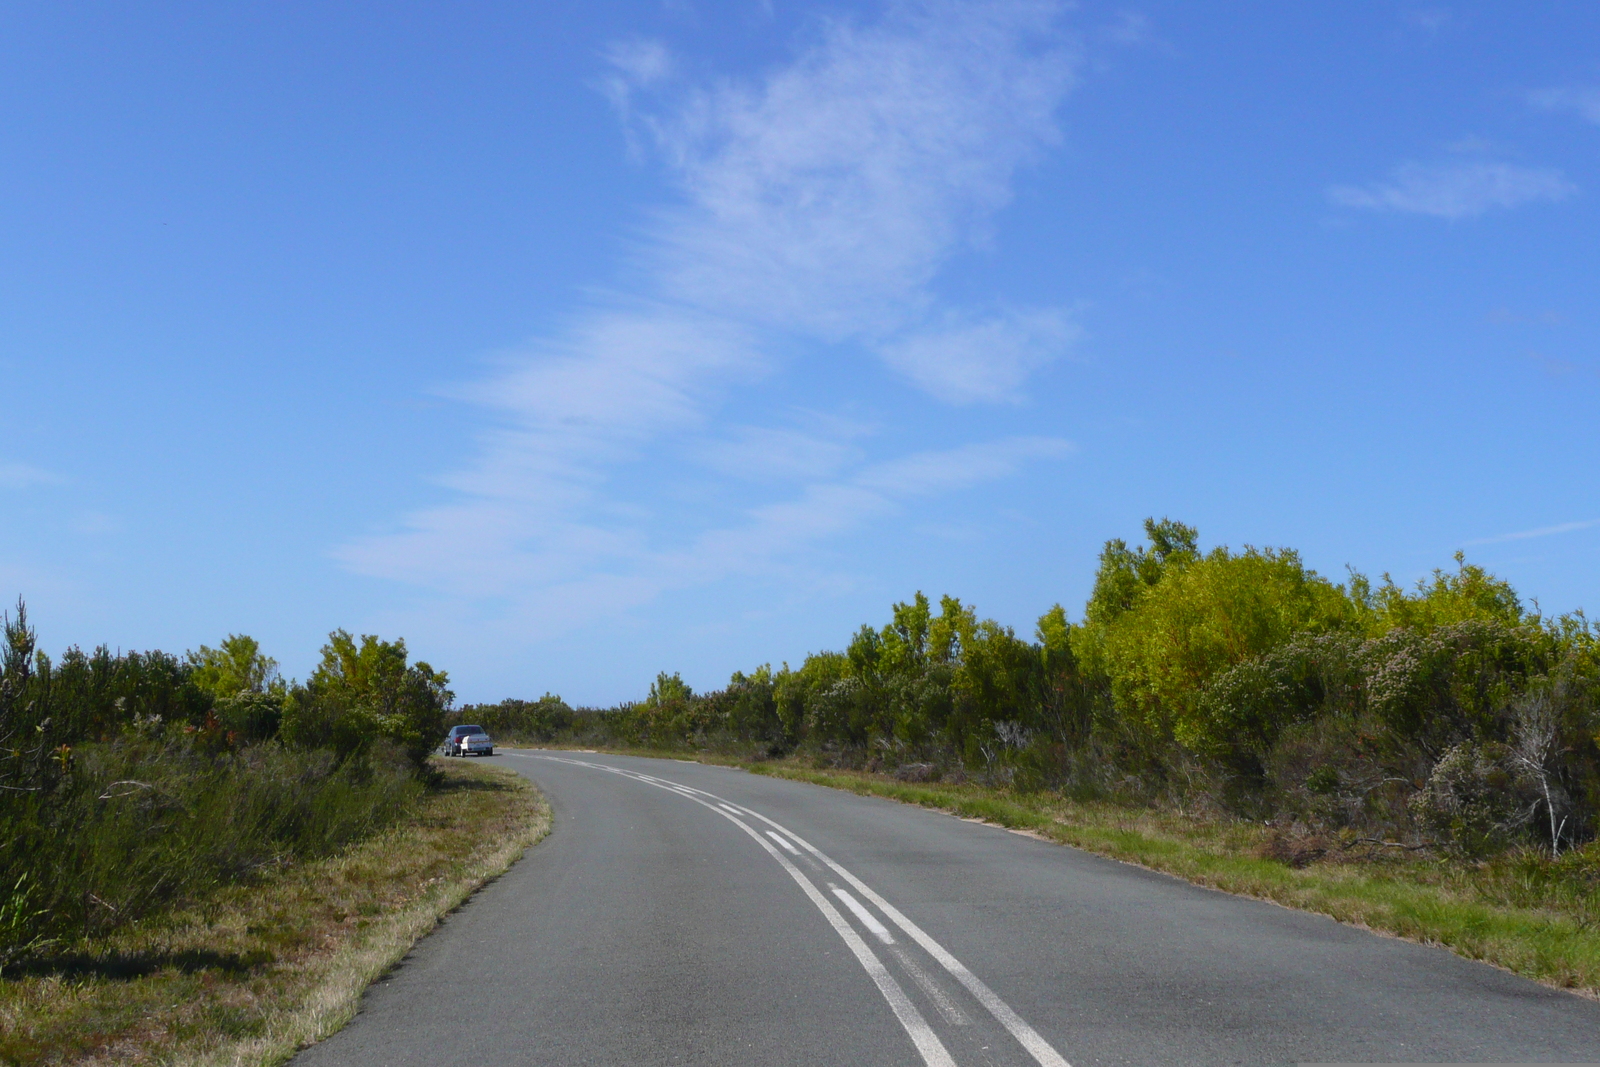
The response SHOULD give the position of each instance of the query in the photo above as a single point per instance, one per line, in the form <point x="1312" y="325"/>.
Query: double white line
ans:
<point x="783" y="841"/>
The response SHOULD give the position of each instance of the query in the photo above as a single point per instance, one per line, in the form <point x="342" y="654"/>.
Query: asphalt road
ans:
<point x="687" y="914"/>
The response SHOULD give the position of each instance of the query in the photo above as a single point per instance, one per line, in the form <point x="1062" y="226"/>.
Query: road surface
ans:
<point x="689" y="914"/>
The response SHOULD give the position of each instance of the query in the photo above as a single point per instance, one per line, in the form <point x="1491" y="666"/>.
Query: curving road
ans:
<point x="688" y="914"/>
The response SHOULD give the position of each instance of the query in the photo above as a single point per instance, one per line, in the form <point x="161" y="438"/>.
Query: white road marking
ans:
<point x="1029" y="1038"/>
<point x="947" y="1007"/>
<point x="783" y="841"/>
<point x="869" y="920"/>
<point x="932" y="1050"/>
<point x="1026" y="1036"/>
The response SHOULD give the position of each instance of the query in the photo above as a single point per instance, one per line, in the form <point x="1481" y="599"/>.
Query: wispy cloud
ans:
<point x="937" y="472"/>
<point x="1583" y="101"/>
<point x="1556" y="367"/>
<point x="1543" y="531"/>
<point x="1131" y="28"/>
<point x="25" y="475"/>
<point x="561" y="571"/>
<point x="962" y="361"/>
<point x="1457" y="190"/>
<point x="1431" y="18"/>
<point x="816" y="207"/>
<point x="783" y="454"/>
<point x="825" y="199"/>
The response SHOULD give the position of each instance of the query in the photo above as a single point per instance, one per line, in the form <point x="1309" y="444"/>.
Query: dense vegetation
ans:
<point x="1447" y="716"/>
<point x="130" y="782"/>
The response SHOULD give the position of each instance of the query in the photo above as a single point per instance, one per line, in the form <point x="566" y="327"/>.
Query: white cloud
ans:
<point x="831" y="508"/>
<point x="1457" y="190"/>
<point x="825" y="199"/>
<point x="1130" y="28"/>
<point x="816" y="207"/>
<point x="1542" y="531"/>
<point x="1584" y="101"/>
<point x="764" y="454"/>
<point x="639" y="63"/>
<point x="633" y="65"/>
<point x="959" y="468"/>
<point x="960" y="361"/>
<point x="1432" y="19"/>
<point x="25" y="476"/>
<point x="620" y="376"/>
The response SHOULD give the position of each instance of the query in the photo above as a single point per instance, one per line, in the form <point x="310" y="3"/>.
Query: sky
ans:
<point x="577" y="342"/>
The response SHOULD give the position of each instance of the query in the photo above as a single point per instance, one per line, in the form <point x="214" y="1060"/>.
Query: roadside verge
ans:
<point x="1523" y="914"/>
<point x="260" y="971"/>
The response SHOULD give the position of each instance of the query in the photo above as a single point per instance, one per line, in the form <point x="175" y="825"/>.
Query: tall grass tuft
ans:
<point x="153" y="818"/>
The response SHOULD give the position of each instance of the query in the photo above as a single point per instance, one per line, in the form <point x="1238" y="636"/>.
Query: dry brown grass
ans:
<point x="260" y="971"/>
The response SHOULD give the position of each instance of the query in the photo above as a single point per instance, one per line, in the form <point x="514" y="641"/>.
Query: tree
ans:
<point x="1202" y="618"/>
<point x="237" y="666"/>
<point x="361" y="692"/>
<point x="1471" y="594"/>
<point x="1064" y="694"/>
<point x="1125" y="574"/>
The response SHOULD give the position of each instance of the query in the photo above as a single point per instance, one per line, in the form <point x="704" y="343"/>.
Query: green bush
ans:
<point x="518" y="720"/>
<point x="367" y="692"/>
<point x="1478" y="799"/>
<point x="1240" y="680"/>
<point x="155" y="817"/>
<point x="131" y="782"/>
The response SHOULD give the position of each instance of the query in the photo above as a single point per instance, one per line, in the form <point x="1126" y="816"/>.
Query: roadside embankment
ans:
<point x="257" y="971"/>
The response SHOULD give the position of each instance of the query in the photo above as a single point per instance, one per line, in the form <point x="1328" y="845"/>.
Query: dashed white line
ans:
<point x="927" y="1042"/>
<point x="1026" y="1036"/>
<point x="869" y="920"/>
<point x="784" y="842"/>
<point x="947" y="1007"/>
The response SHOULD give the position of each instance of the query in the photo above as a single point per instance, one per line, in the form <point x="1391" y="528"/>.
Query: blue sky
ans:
<point x="578" y="342"/>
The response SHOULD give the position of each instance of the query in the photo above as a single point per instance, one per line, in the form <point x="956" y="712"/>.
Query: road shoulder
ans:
<point x="260" y="971"/>
<point x="1471" y="910"/>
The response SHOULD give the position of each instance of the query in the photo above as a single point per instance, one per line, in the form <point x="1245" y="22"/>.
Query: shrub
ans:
<point x="1478" y="798"/>
<point x="153" y="817"/>
<point x="131" y="782"/>
<point x="533" y="720"/>
<point x="362" y="693"/>
<point x="1200" y="619"/>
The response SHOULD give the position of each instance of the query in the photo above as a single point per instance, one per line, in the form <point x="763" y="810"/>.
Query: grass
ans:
<point x="150" y="821"/>
<point x="1520" y="912"/>
<point x="259" y="971"/>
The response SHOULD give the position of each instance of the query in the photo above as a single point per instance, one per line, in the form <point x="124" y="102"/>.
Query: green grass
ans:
<point x="146" y="824"/>
<point x="255" y="972"/>
<point x="1520" y="912"/>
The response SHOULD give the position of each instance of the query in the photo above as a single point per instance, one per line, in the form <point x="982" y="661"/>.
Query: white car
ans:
<point x="468" y="741"/>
